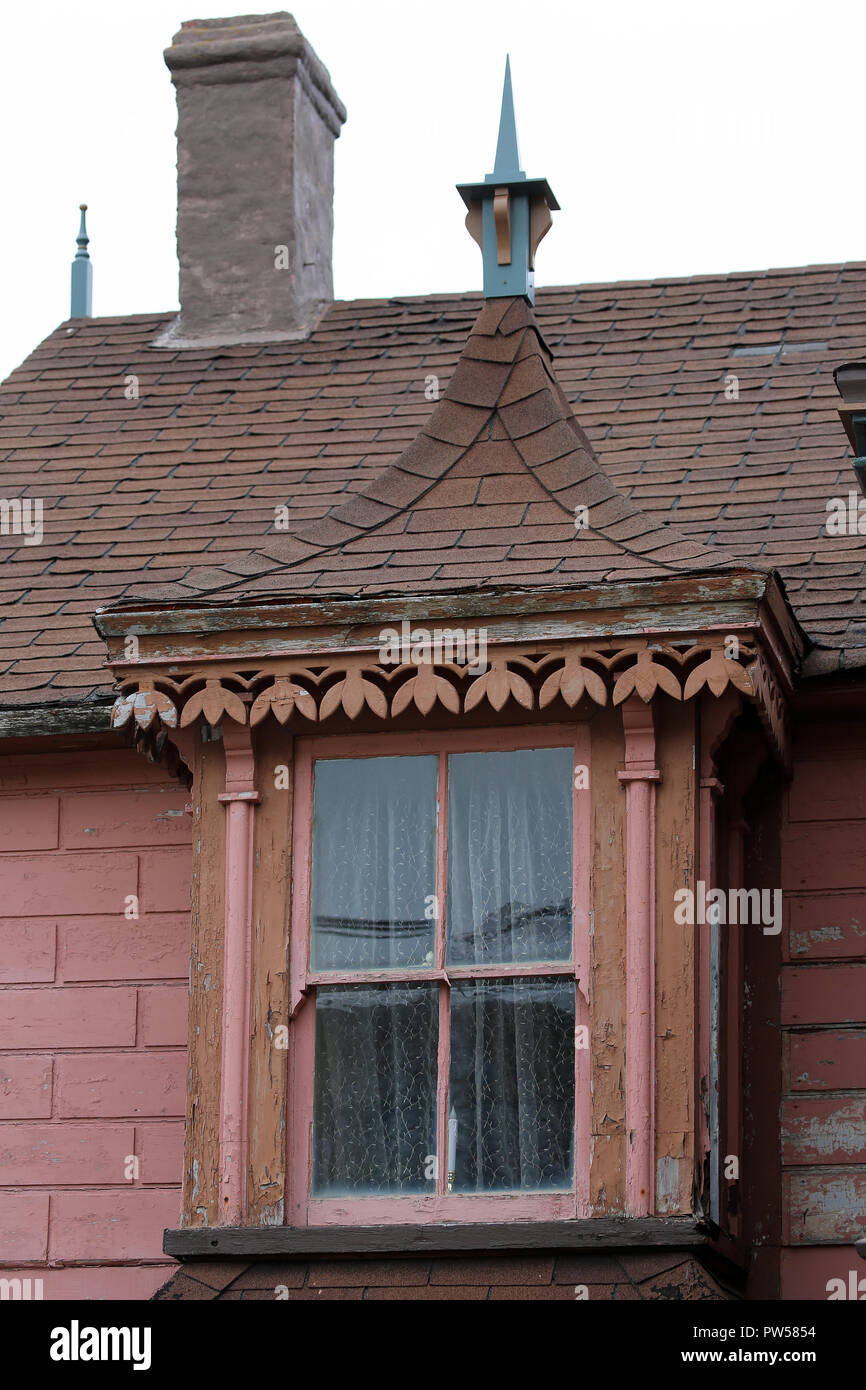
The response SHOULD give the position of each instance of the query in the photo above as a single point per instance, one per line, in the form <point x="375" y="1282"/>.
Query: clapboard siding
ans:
<point x="823" y="1112"/>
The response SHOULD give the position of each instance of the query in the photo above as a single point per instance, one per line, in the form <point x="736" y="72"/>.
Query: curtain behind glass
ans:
<point x="374" y="863"/>
<point x="512" y="1083"/>
<point x="374" y="1118"/>
<point x="509" y="856"/>
<point x="509" y="901"/>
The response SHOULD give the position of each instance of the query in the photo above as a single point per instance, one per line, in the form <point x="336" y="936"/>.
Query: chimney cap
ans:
<point x="225" y="50"/>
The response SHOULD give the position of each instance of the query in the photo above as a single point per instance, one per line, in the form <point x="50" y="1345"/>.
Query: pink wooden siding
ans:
<point x="823" y="1116"/>
<point x="93" y="1009"/>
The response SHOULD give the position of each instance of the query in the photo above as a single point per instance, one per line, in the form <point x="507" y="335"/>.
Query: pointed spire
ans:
<point x="81" y="299"/>
<point x="508" y="213"/>
<point x="506" y="166"/>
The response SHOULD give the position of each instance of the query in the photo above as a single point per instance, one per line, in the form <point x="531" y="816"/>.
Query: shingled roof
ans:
<point x="172" y="492"/>
<point x="486" y="493"/>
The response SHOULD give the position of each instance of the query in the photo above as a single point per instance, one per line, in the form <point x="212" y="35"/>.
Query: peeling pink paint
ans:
<point x="92" y="1019"/>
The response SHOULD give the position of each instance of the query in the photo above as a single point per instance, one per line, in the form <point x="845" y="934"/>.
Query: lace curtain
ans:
<point x="511" y="1077"/>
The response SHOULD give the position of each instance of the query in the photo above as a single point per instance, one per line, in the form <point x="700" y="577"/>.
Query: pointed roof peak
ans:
<point x="501" y="485"/>
<point x="506" y="166"/>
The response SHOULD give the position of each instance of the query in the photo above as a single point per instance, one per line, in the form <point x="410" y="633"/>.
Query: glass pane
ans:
<point x="509" y="856"/>
<point x="512" y="1085"/>
<point x="374" y="1114"/>
<point x="374" y="863"/>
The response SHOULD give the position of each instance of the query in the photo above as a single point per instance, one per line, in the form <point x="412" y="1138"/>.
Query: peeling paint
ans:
<point x="801" y="940"/>
<point x="667" y="1184"/>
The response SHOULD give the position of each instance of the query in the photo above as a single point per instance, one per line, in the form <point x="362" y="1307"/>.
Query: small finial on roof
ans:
<point x="506" y="166"/>
<point x="81" y="299"/>
<point x="508" y="213"/>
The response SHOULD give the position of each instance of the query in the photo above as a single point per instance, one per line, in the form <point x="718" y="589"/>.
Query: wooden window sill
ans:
<point x="280" y="1242"/>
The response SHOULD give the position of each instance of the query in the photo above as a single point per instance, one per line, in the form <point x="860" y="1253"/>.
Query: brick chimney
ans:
<point x="257" y="121"/>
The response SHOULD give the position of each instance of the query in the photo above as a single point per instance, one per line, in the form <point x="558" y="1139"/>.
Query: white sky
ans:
<point x="679" y="137"/>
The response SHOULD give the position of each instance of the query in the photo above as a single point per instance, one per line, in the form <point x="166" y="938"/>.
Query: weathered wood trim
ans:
<point x="83" y="717"/>
<point x="712" y="595"/>
<point x="201" y="1145"/>
<point x="717" y="718"/>
<point x="277" y="1242"/>
<point x="399" y="677"/>
<point x="607" y="992"/>
<point x="268" y="1091"/>
<point x="676" y="852"/>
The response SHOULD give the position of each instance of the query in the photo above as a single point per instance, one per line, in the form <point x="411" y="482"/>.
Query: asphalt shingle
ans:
<point x="178" y="486"/>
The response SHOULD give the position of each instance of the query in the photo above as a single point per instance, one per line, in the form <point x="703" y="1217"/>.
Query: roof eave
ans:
<point x="284" y="623"/>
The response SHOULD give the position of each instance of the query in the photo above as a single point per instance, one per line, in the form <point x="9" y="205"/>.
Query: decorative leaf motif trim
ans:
<point x="214" y="702"/>
<point x="146" y="705"/>
<point x="531" y="674"/>
<point x="718" y="672"/>
<point x="353" y="693"/>
<point x="570" y="682"/>
<point x="281" y="699"/>
<point x="425" y="689"/>
<point x="644" y="678"/>
<point x="497" y="684"/>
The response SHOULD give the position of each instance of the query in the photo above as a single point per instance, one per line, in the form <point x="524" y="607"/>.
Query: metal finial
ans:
<point x="506" y="166"/>
<point x="81" y="299"/>
<point x="508" y="213"/>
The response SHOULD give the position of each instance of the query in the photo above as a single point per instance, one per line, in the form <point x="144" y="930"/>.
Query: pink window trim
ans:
<point x="443" y="1206"/>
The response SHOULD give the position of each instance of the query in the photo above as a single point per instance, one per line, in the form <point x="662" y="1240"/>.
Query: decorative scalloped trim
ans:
<point x="602" y="673"/>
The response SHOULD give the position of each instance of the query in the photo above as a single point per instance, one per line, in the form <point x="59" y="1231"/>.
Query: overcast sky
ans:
<point x="679" y="136"/>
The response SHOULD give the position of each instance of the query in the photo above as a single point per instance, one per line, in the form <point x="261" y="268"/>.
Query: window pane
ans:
<point x="374" y="863"/>
<point x="512" y="1084"/>
<point x="509" y="856"/>
<point x="374" y="1115"/>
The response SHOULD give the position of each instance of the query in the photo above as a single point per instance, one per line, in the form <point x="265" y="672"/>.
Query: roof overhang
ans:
<point x="290" y="624"/>
<point x="304" y="660"/>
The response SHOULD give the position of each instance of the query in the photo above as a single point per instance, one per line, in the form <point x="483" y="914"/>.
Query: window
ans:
<point x="440" y="1063"/>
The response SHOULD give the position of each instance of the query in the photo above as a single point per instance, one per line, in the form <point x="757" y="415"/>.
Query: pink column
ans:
<point x="709" y="1000"/>
<point x="240" y="797"/>
<point x="640" y="776"/>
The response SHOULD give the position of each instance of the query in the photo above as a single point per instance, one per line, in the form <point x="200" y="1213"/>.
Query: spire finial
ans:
<point x="508" y="213"/>
<point x="506" y="166"/>
<point x="81" y="299"/>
